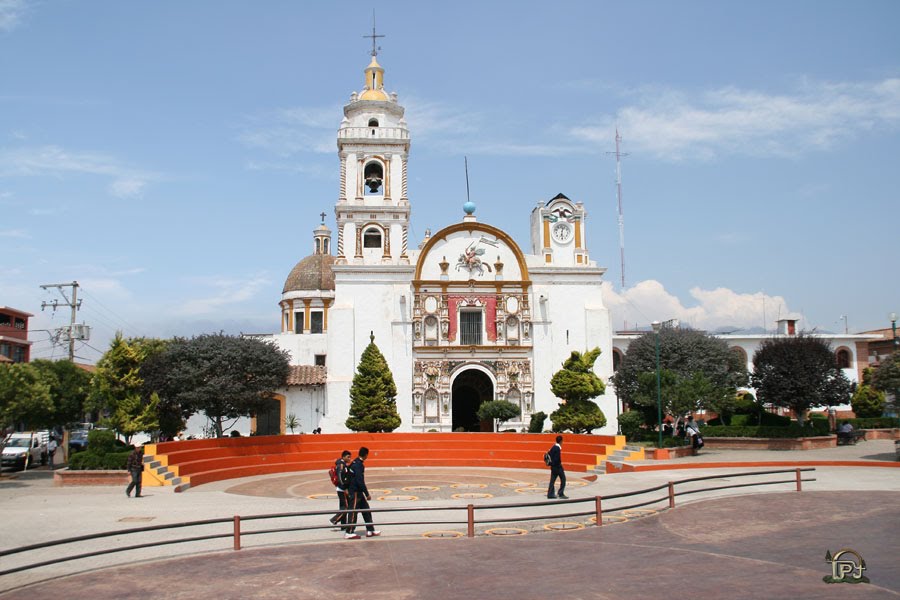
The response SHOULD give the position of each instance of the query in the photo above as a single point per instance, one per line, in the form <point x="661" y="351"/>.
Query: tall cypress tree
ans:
<point x="373" y="407"/>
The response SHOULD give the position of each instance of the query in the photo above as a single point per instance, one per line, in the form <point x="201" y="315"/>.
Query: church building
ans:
<point x="466" y="316"/>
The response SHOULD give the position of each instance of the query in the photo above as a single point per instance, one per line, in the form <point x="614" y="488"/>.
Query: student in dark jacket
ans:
<point x="342" y="467"/>
<point x="135" y="467"/>
<point x="556" y="470"/>
<point x="359" y="497"/>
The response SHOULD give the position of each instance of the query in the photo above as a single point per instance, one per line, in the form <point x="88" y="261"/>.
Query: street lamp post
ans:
<point x="656" y="327"/>
<point x="894" y="327"/>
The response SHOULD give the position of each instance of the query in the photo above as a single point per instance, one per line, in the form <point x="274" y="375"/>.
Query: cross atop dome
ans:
<point x="374" y="36"/>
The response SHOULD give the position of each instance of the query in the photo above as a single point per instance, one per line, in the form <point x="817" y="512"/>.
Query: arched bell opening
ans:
<point x="374" y="178"/>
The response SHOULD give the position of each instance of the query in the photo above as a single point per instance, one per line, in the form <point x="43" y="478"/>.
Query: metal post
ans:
<point x="658" y="396"/>
<point x="237" y="532"/>
<point x="799" y="485"/>
<point x="599" y="512"/>
<point x="471" y="515"/>
<point x="671" y="495"/>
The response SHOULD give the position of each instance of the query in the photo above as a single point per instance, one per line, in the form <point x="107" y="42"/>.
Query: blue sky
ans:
<point x="173" y="157"/>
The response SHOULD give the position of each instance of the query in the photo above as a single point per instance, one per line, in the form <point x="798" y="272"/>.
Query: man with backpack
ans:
<point x="359" y="497"/>
<point x="340" y="475"/>
<point x="556" y="470"/>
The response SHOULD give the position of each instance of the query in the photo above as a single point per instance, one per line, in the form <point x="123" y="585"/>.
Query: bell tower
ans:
<point x="557" y="232"/>
<point x="372" y="211"/>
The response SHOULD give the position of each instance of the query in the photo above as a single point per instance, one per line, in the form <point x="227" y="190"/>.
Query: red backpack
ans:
<point x="333" y="474"/>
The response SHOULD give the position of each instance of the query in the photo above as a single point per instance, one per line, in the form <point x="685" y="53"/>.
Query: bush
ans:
<point x="536" y="425"/>
<point x="101" y="441"/>
<point x="874" y="423"/>
<point x="92" y="460"/>
<point x="630" y="423"/>
<point x="766" y="431"/>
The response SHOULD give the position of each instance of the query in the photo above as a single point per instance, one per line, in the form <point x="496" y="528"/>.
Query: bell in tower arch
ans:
<point x="374" y="175"/>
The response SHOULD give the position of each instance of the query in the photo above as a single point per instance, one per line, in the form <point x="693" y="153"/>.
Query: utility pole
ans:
<point x="74" y="304"/>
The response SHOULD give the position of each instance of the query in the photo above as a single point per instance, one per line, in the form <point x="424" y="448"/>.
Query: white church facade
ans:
<point x="465" y="317"/>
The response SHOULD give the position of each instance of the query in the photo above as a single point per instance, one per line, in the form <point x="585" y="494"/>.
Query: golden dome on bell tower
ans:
<point x="374" y="89"/>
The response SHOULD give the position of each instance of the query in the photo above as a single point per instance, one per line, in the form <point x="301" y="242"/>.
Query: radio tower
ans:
<point x="619" y="199"/>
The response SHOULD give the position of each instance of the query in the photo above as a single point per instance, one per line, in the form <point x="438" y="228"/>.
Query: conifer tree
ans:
<point x="373" y="406"/>
<point x="576" y="383"/>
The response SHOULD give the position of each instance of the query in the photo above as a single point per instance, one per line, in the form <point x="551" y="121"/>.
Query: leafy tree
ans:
<point x="69" y="388"/>
<point x="798" y="372"/>
<point x="887" y="376"/>
<point x="117" y="385"/>
<point x="373" y="407"/>
<point x="25" y="399"/>
<point x="630" y="423"/>
<point x="576" y="383"/>
<point x="224" y="376"/>
<point x="867" y="401"/>
<point x="536" y="425"/>
<point x="697" y="371"/>
<point x="502" y="410"/>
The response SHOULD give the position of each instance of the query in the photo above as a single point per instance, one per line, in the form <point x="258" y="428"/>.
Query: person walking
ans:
<point x="51" y="451"/>
<point x="359" y="497"/>
<point x="692" y="430"/>
<point x="135" y="467"/>
<point x="556" y="470"/>
<point x="344" y="474"/>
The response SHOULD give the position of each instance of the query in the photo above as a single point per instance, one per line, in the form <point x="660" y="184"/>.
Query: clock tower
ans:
<point x="372" y="211"/>
<point x="557" y="232"/>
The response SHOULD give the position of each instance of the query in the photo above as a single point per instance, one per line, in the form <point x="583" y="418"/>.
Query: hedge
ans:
<point x="92" y="460"/>
<point x="766" y="431"/>
<point x="873" y="423"/>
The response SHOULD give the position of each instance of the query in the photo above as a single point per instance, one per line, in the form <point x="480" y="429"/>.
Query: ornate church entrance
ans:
<point x="470" y="389"/>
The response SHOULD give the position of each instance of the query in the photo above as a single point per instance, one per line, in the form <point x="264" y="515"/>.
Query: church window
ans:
<point x="325" y="248"/>
<point x="470" y="327"/>
<point x="372" y="238"/>
<point x="298" y="322"/>
<point x="318" y="246"/>
<point x="316" y="322"/>
<point x="842" y="357"/>
<point x="373" y="122"/>
<point x="320" y="360"/>
<point x="617" y="359"/>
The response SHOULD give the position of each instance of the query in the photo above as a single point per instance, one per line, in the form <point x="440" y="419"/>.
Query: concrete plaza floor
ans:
<point x="763" y="541"/>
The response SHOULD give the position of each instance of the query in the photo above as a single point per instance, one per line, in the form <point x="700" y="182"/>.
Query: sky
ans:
<point x="173" y="157"/>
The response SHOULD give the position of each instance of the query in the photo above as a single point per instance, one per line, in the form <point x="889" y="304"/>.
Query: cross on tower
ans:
<point x="322" y="214"/>
<point x="374" y="36"/>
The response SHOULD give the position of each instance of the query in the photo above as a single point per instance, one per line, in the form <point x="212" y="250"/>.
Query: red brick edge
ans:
<point x="627" y="468"/>
<point x="63" y="477"/>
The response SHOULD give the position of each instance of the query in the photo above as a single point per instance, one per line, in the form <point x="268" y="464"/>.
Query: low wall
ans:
<point x="882" y="434"/>
<point x="668" y="453"/>
<point x="63" y="477"/>
<point x="746" y="443"/>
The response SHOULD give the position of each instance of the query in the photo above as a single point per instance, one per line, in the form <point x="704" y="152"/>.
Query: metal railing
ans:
<point x="237" y="532"/>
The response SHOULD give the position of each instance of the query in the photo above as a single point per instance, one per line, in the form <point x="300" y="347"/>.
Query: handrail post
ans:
<point x="471" y="517"/>
<point x="599" y="512"/>
<point x="671" y="495"/>
<point x="799" y="486"/>
<point x="237" y="532"/>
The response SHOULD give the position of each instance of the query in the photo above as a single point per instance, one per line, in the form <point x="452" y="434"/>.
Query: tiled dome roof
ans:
<point x="312" y="273"/>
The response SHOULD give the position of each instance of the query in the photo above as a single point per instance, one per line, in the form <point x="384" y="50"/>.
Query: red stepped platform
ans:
<point x="193" y="462"/>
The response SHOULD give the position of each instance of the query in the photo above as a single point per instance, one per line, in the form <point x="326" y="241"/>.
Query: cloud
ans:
<point x="676" y="125"/>
<point x="649" y="301"/>
<point x="43" y="161"/>
<point x="225" y="292"/>
<point x="15" y="233"/>
<point x="11" y="14"/>
<point x="286" y="132"/>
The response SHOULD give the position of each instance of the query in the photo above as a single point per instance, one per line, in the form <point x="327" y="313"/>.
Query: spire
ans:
<point x="374" y="89"/>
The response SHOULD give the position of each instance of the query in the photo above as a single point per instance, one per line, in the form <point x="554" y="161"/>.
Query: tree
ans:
<point x="25" y="399"/>
<point x="867" y="401"/>
<point x="502" y="410"/>
<point x="373" y="407"/>
<point x="224" y="376"/>
<point x="798" y="372"/>
<point x="576" y="383"/>
<point x="69" y="388"/>
<point x="697" y="371"/>
<point x="887" y="376"/>
<point x="117" y="386"/>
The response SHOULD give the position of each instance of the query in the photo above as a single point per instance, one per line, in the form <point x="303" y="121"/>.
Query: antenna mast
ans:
<point x="619" y="154"/>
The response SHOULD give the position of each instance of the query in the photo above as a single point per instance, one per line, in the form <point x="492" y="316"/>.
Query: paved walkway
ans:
<point x="756" y="542"/>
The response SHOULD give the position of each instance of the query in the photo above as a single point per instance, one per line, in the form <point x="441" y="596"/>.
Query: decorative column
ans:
<point x="387" y="177"/>
<point x="404" y="241"/>
<point x="343" y="186"/>
<point x="403" y="197"/>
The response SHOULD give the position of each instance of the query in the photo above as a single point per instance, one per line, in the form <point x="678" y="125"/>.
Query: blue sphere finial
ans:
<point x="469" y="207"/>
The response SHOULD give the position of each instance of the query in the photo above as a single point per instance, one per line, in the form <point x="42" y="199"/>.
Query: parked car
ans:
<point x="26" y="449"/>
<point x="78" y="440"/>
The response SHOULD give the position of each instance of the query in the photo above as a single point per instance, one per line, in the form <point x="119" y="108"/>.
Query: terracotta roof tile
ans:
<point x="307" y="375"/>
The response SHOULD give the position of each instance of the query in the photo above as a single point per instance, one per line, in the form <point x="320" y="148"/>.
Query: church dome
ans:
<point x="312" y="273"/>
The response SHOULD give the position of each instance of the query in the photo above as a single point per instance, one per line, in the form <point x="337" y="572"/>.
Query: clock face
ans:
<point x="562" y="232"/>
